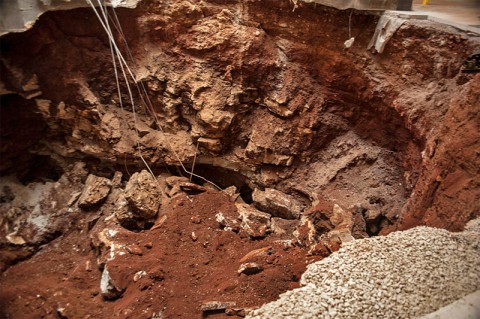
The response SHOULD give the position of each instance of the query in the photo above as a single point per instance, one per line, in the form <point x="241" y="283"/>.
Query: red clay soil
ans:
<point x="182" y="272"/>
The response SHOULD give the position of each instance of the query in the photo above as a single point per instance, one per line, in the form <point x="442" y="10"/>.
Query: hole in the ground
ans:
<point x="21" y="128"/>
<point x="136" y="224"/>
<point x="224" y="178"/>
<point x="346" y="123"/>
<point x="42" y="169"/>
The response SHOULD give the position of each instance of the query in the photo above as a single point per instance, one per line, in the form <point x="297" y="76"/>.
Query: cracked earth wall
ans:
<point x="264" y="91"/>
<point x="254" y="91"/>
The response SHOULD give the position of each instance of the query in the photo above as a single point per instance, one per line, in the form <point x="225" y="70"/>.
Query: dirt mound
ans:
<point x="183" y="264"/>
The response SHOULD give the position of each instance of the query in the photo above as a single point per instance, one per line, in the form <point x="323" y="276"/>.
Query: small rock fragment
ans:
<point x="95" y="191"/>
<point x="139" y="274"/>
<point x="227" y="223"/>
<point x="134" y="250"/>
<point x="257" y="252"/>
<point x="192" y="188"/>
<point x="254" y="222"/>
<point x="249" y="268"/>
<point x="108" y="288"/>
<point x="277" y="204"/>
<point x="15" y="239"/>
<point x="196" y="219"/>
<point x="216" y="305"/>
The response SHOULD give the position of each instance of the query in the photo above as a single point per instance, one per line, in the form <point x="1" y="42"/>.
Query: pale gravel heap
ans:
<point x="403" y="275"/>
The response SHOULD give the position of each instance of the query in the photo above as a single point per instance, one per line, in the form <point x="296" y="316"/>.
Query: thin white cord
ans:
<point x="114" y="61"/>
<point x="112" y="41"/>
<point x="350" y="24"/>
<point x="194" y="160"/>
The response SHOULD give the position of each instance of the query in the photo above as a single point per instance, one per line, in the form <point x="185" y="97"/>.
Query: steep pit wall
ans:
<point x="265" y="91"/>
<point x="256" y="95"/>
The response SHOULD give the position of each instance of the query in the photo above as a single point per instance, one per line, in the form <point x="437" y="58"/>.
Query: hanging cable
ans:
<point x="351" y="39"/>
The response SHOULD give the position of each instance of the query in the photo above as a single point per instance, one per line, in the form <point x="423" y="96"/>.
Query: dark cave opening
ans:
<point x="22" y="127"/>
<point x="224" y="178"/>
<point x="42" y="168"/>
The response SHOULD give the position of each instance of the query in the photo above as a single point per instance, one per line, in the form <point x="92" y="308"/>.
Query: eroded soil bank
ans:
<point x="311" y="145"/>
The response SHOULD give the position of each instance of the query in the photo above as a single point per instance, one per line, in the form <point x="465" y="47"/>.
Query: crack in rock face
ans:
<point x="268" y="146"/>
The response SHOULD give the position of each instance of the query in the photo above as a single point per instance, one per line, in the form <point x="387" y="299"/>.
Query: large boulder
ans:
<point x="143" y="194"/>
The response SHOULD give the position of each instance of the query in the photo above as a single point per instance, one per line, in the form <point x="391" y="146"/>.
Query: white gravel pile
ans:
<point x="402" y="275"/>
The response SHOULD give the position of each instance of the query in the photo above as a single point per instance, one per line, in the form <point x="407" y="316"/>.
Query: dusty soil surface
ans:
<point x="321" y="144"/>
<point x="181" y="273"/>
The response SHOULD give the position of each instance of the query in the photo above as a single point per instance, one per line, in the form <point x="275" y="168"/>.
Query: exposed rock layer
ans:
<point x="270" y="108"/>
<point x="265" y="92"/>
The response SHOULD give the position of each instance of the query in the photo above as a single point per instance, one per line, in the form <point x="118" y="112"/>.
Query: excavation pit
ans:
<point x="324" y="146"/>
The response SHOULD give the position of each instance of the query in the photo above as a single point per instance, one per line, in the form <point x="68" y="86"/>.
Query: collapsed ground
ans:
<point x="321" y="145"/>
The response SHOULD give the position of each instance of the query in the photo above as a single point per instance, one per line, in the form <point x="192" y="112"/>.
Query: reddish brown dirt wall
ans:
<point x="384" y="141"/>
